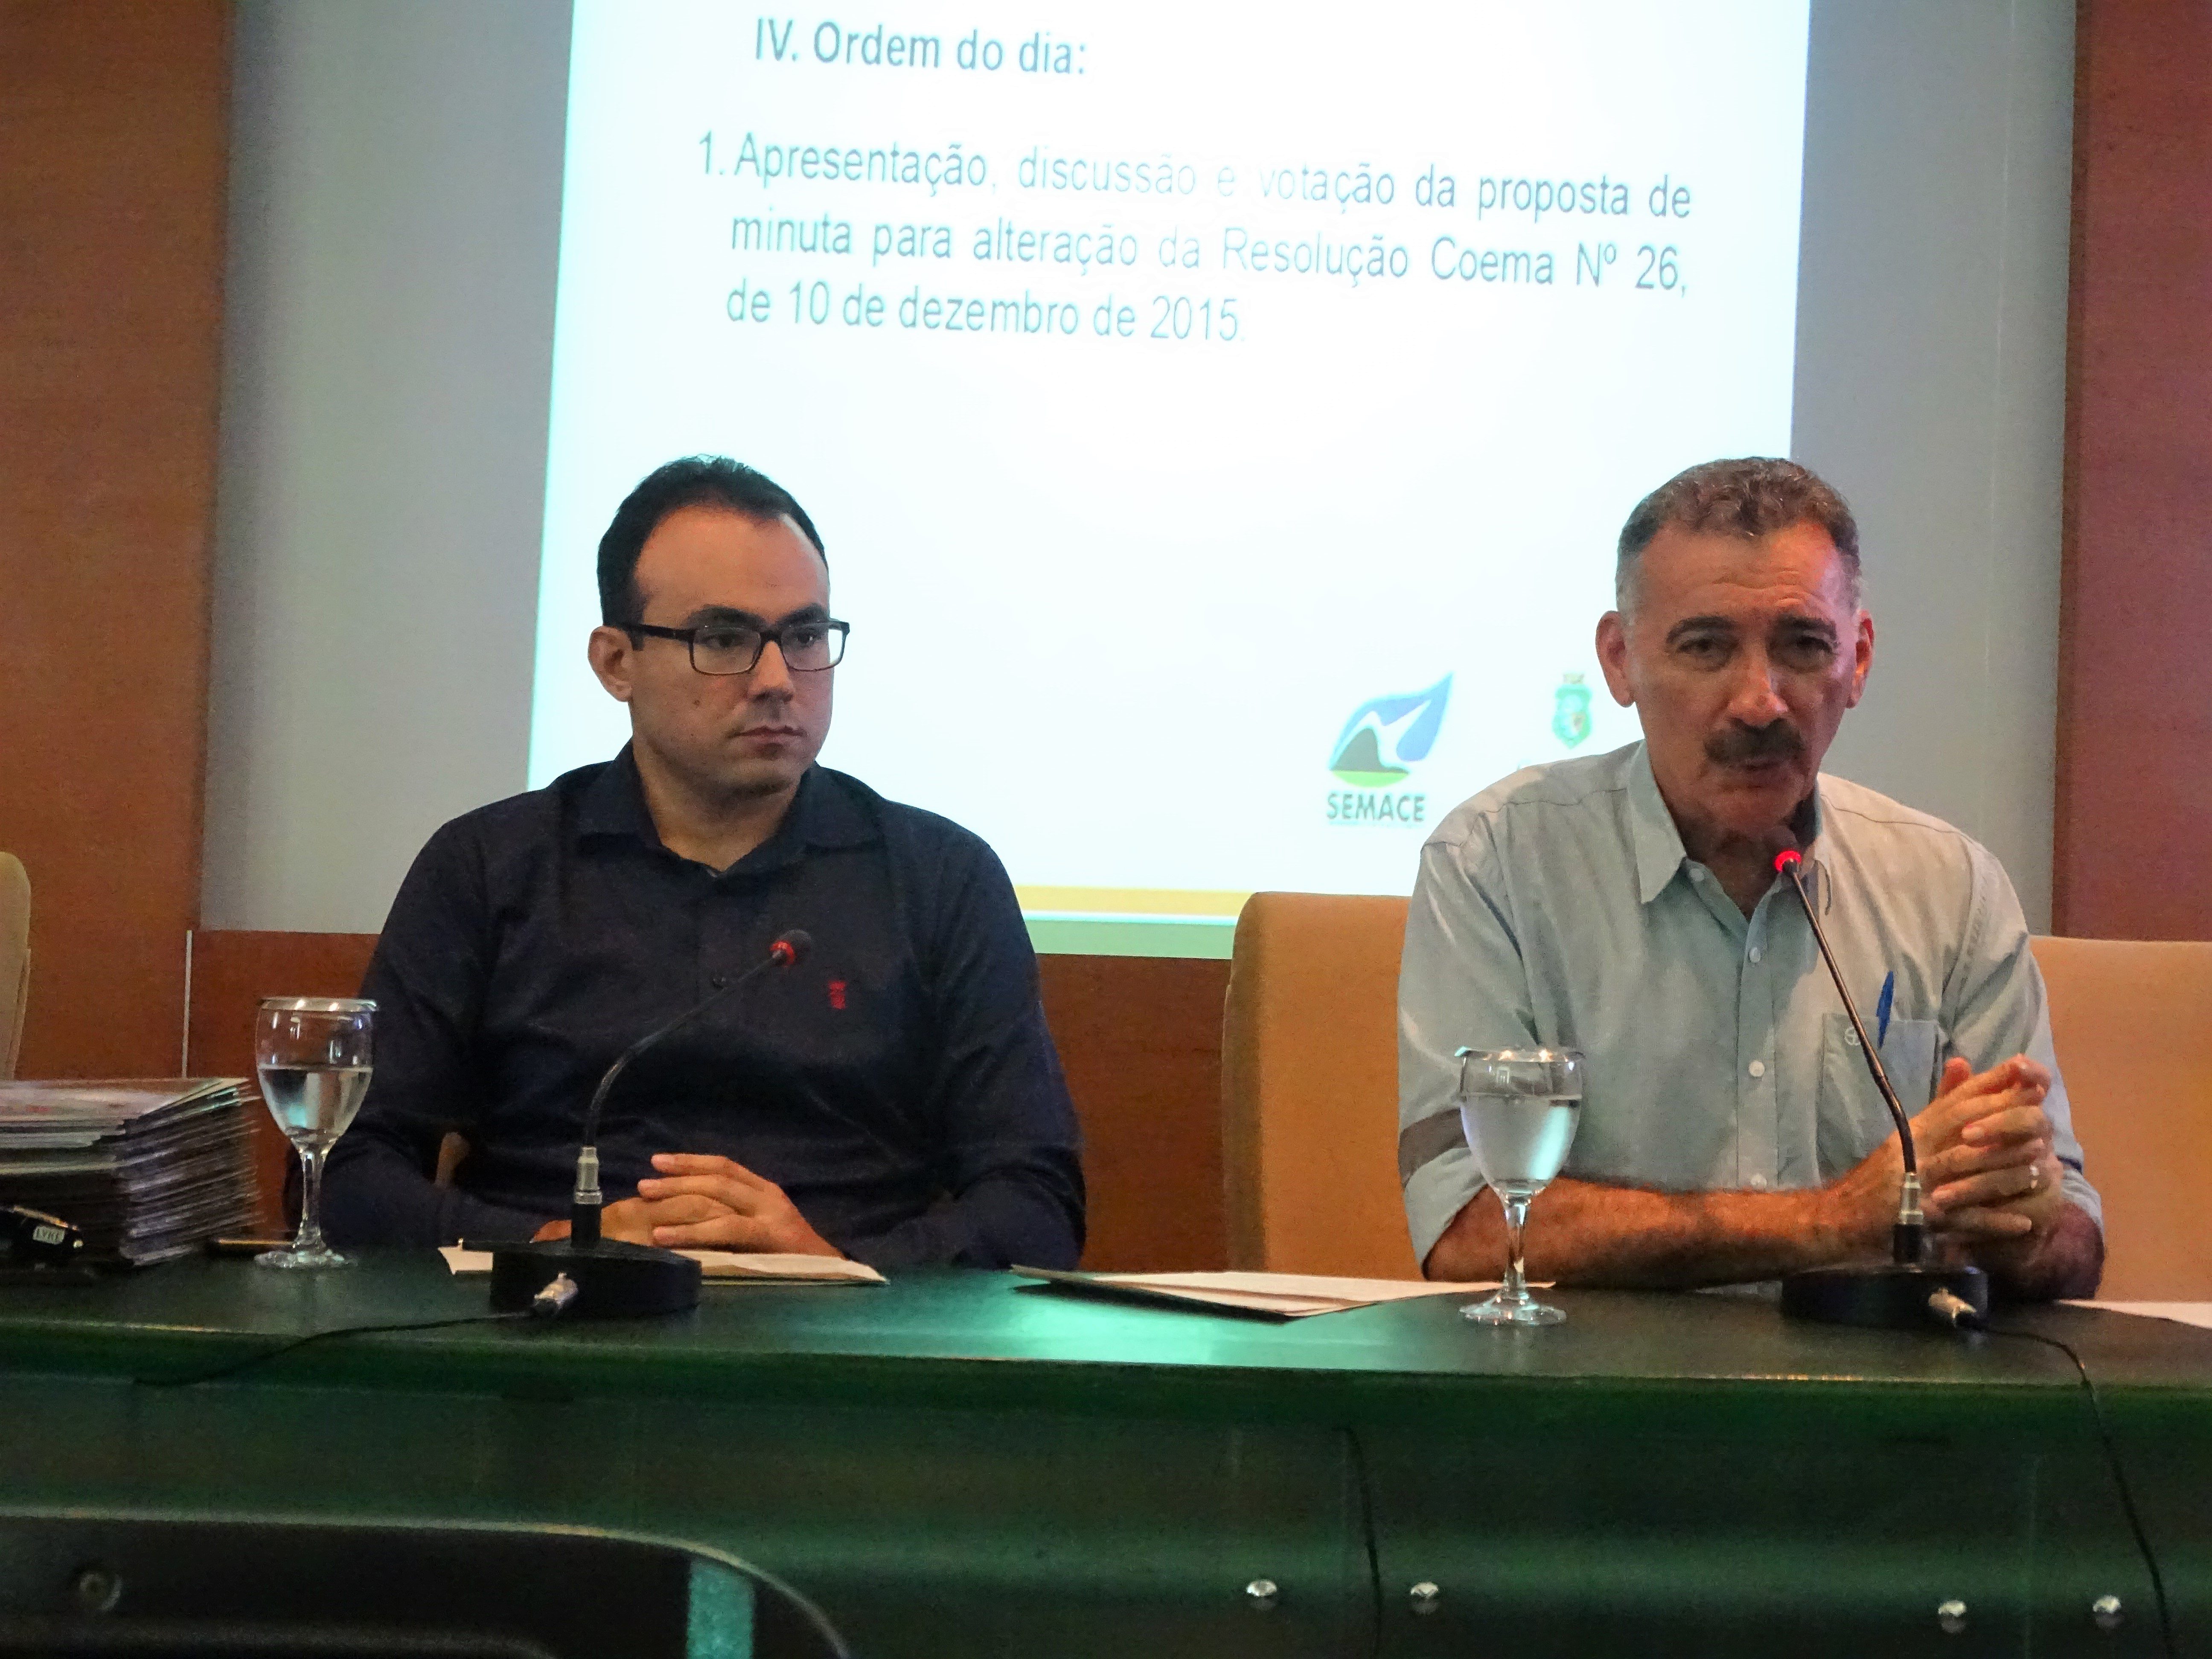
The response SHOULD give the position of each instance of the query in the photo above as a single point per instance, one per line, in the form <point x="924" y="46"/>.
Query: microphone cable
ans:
<point x="234" y="1367"/>
<point x="2118" y="1472"/>
<point x="538" y="1313"/>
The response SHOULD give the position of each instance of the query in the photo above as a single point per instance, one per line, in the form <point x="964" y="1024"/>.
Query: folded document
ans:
<point x="729" y="1265"/>
<point x="1266" y="1296"/>
<point x="2199" y="1314"/>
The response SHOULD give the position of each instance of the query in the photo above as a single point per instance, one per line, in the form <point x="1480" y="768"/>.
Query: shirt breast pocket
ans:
<point x="1853" y="1120"/>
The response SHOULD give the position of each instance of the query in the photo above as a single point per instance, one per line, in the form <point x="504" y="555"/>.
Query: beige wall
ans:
<point x="387" y="370"/>
<point x="1931" y="388"/>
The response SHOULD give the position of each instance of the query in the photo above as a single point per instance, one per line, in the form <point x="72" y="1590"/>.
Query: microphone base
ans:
<point x="614" y="1280"/>
<point x="1882" y="1296"/>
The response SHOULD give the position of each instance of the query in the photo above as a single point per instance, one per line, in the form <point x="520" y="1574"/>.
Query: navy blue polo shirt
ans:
<point x="898" y="1084"/>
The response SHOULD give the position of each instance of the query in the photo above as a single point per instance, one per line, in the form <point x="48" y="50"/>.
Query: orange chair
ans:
<point x="15" y="959"/>
<point x="1310" y="1068"/>
<point x="2132" y="1022"/>
<point x="1309" y="1087"/>
<point x="1310" y="1094"/>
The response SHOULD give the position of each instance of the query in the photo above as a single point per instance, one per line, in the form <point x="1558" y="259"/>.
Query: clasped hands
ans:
<point x="698" y="1201"/>
<point x="1989" y="1178"/>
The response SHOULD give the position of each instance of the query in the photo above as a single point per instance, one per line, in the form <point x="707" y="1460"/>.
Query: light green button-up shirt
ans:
<point x="1558" y="908"/>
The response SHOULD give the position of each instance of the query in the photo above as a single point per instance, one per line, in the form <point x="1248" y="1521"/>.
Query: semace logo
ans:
<point x="1379" y="745"/>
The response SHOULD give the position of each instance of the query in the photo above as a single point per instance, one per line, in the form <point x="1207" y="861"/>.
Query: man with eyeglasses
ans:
<point x="895" y="1097"/>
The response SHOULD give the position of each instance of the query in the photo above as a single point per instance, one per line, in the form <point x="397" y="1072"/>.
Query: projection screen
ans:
<point x="1219" y="418"/>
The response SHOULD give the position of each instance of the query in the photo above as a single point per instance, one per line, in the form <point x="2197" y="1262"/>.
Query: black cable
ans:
<point x="234" y="1367"/>
<point x="2119" y="1476"/>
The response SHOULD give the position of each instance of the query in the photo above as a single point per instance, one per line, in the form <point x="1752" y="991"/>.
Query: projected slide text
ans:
<point x="1219" y="420"/>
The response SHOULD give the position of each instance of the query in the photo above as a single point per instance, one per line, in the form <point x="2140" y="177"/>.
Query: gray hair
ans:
<point x="1748" y="498"/>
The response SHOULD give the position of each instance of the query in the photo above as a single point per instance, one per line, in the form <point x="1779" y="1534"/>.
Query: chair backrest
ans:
<point x="1309" y="1087"/>
<point x="1310" y="1068"/>
<point x="15" y="959"/>
<point x="2132" y="1022"/>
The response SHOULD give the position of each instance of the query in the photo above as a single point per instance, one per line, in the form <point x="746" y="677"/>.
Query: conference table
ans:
<point x="962" y="1462"/>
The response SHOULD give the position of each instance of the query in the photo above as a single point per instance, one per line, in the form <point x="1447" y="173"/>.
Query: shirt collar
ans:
<point x="1659" y="850"/>
<point x="1809" y="821"/>
<point x="1659" y="854"/>
<point x="614" y="804"/>
<point x="830" y="811"/>
<point x="826" y="813"/>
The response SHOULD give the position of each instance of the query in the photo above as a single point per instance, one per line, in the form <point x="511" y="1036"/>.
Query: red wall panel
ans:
<point x="2133" y="841"/>
<point x="113" y="151"/>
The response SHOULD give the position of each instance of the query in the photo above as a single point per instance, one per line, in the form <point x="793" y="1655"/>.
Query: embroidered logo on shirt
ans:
<point x="836" y="993"/>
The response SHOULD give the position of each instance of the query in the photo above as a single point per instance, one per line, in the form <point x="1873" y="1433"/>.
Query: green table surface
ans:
<point x="992" y="1339"/>
<point x="964" y="1454"/>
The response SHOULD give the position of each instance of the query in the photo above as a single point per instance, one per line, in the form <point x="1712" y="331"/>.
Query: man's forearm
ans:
<point x="1001" y="1220"/>
<point x="1581" y="1232"/>
<point x="374" y="1194"/>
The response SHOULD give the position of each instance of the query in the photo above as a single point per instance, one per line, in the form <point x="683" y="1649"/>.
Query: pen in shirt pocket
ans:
<point x="1881" y="1009"/>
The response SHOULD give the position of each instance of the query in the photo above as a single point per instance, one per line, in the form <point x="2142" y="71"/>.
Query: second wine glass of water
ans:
<point x="313" y="1054"/>
<point x="1520" y="1108"/>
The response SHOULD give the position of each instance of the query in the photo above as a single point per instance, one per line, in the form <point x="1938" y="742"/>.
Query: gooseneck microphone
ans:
<point x="1907" y="1237"/>
<point x="585" y="1204"/>
<point x="1907" y="1291"/>
<point x="585" y="1275"/>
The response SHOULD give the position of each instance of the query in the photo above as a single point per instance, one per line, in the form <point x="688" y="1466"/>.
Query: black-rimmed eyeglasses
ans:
<point x="736" y="647"/>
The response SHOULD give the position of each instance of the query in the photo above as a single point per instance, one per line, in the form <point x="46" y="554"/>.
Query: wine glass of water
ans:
<point x="312" y="1054"/>
<point x="1519" y="1108"/>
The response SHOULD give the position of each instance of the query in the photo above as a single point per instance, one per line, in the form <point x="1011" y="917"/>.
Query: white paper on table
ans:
<point x="2199" y="1314"/>
<point x="726" y="1265"/>
<point x="1320" y="1287"/>
<point x="783" y="1269"/>
<point x="1291" y="1295"/>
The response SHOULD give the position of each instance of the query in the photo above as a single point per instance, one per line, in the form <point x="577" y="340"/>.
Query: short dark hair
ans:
<point x="1748" y="498"/>
<point x="693" y="481"/>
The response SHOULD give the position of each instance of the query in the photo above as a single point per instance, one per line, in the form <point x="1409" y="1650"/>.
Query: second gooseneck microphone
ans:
<point x="1908" y="1236"/>
<point x="1906" y="1291"/>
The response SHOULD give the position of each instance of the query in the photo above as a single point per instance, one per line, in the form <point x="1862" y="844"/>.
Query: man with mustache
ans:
<point x="895" y="1097"/>
<point x="1626" y="905"/>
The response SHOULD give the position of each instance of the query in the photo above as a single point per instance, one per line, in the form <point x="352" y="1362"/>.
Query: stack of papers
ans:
<point x="146" y="1168"/>
<point x="1268" y="1296"/>
<point x="758" y="1269"/>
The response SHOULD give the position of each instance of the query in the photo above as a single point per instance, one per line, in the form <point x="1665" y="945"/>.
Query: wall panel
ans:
<point x="113" y="146"/>
<point x="2134" y="827"/>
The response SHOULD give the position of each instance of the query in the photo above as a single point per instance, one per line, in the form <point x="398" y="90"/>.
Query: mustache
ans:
<point x="1741" y="745"/>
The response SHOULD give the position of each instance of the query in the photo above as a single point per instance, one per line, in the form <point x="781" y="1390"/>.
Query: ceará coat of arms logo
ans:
<point x="1571" y="716"/>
